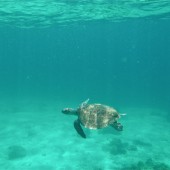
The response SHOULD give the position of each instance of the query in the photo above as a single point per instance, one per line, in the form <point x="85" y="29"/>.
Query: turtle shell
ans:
<point x="96" y="116"/>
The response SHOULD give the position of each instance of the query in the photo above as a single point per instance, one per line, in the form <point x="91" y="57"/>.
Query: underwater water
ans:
<point x="57" y="54"/>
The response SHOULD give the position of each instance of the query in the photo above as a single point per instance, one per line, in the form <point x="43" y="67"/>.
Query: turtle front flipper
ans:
<point x="79" y="129"/>
<point x="84" y="103"/>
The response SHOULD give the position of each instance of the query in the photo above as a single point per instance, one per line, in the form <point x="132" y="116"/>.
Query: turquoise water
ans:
<point x="57" y="54"/>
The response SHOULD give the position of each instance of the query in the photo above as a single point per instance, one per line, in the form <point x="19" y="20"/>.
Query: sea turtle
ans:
<point x="94" y="116"/>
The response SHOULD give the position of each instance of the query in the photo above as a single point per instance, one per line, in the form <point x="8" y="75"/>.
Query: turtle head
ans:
<point x="69" y="111"/>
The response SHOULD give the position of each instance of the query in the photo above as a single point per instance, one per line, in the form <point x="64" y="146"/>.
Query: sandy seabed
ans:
<point x="37" y="136"/>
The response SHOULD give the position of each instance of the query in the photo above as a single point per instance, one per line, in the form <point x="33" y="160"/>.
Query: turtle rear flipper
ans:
<point x="79" y="129"/>
<point x="117" y="126"/>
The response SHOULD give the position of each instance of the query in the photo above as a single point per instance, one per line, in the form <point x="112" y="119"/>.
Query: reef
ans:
<point x="16" y="152"/>
<point x="147" y="165"/>
<point x="117" y="147"/>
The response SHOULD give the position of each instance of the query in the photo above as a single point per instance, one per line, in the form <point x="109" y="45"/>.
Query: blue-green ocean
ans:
<point x="114" y="55"/>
